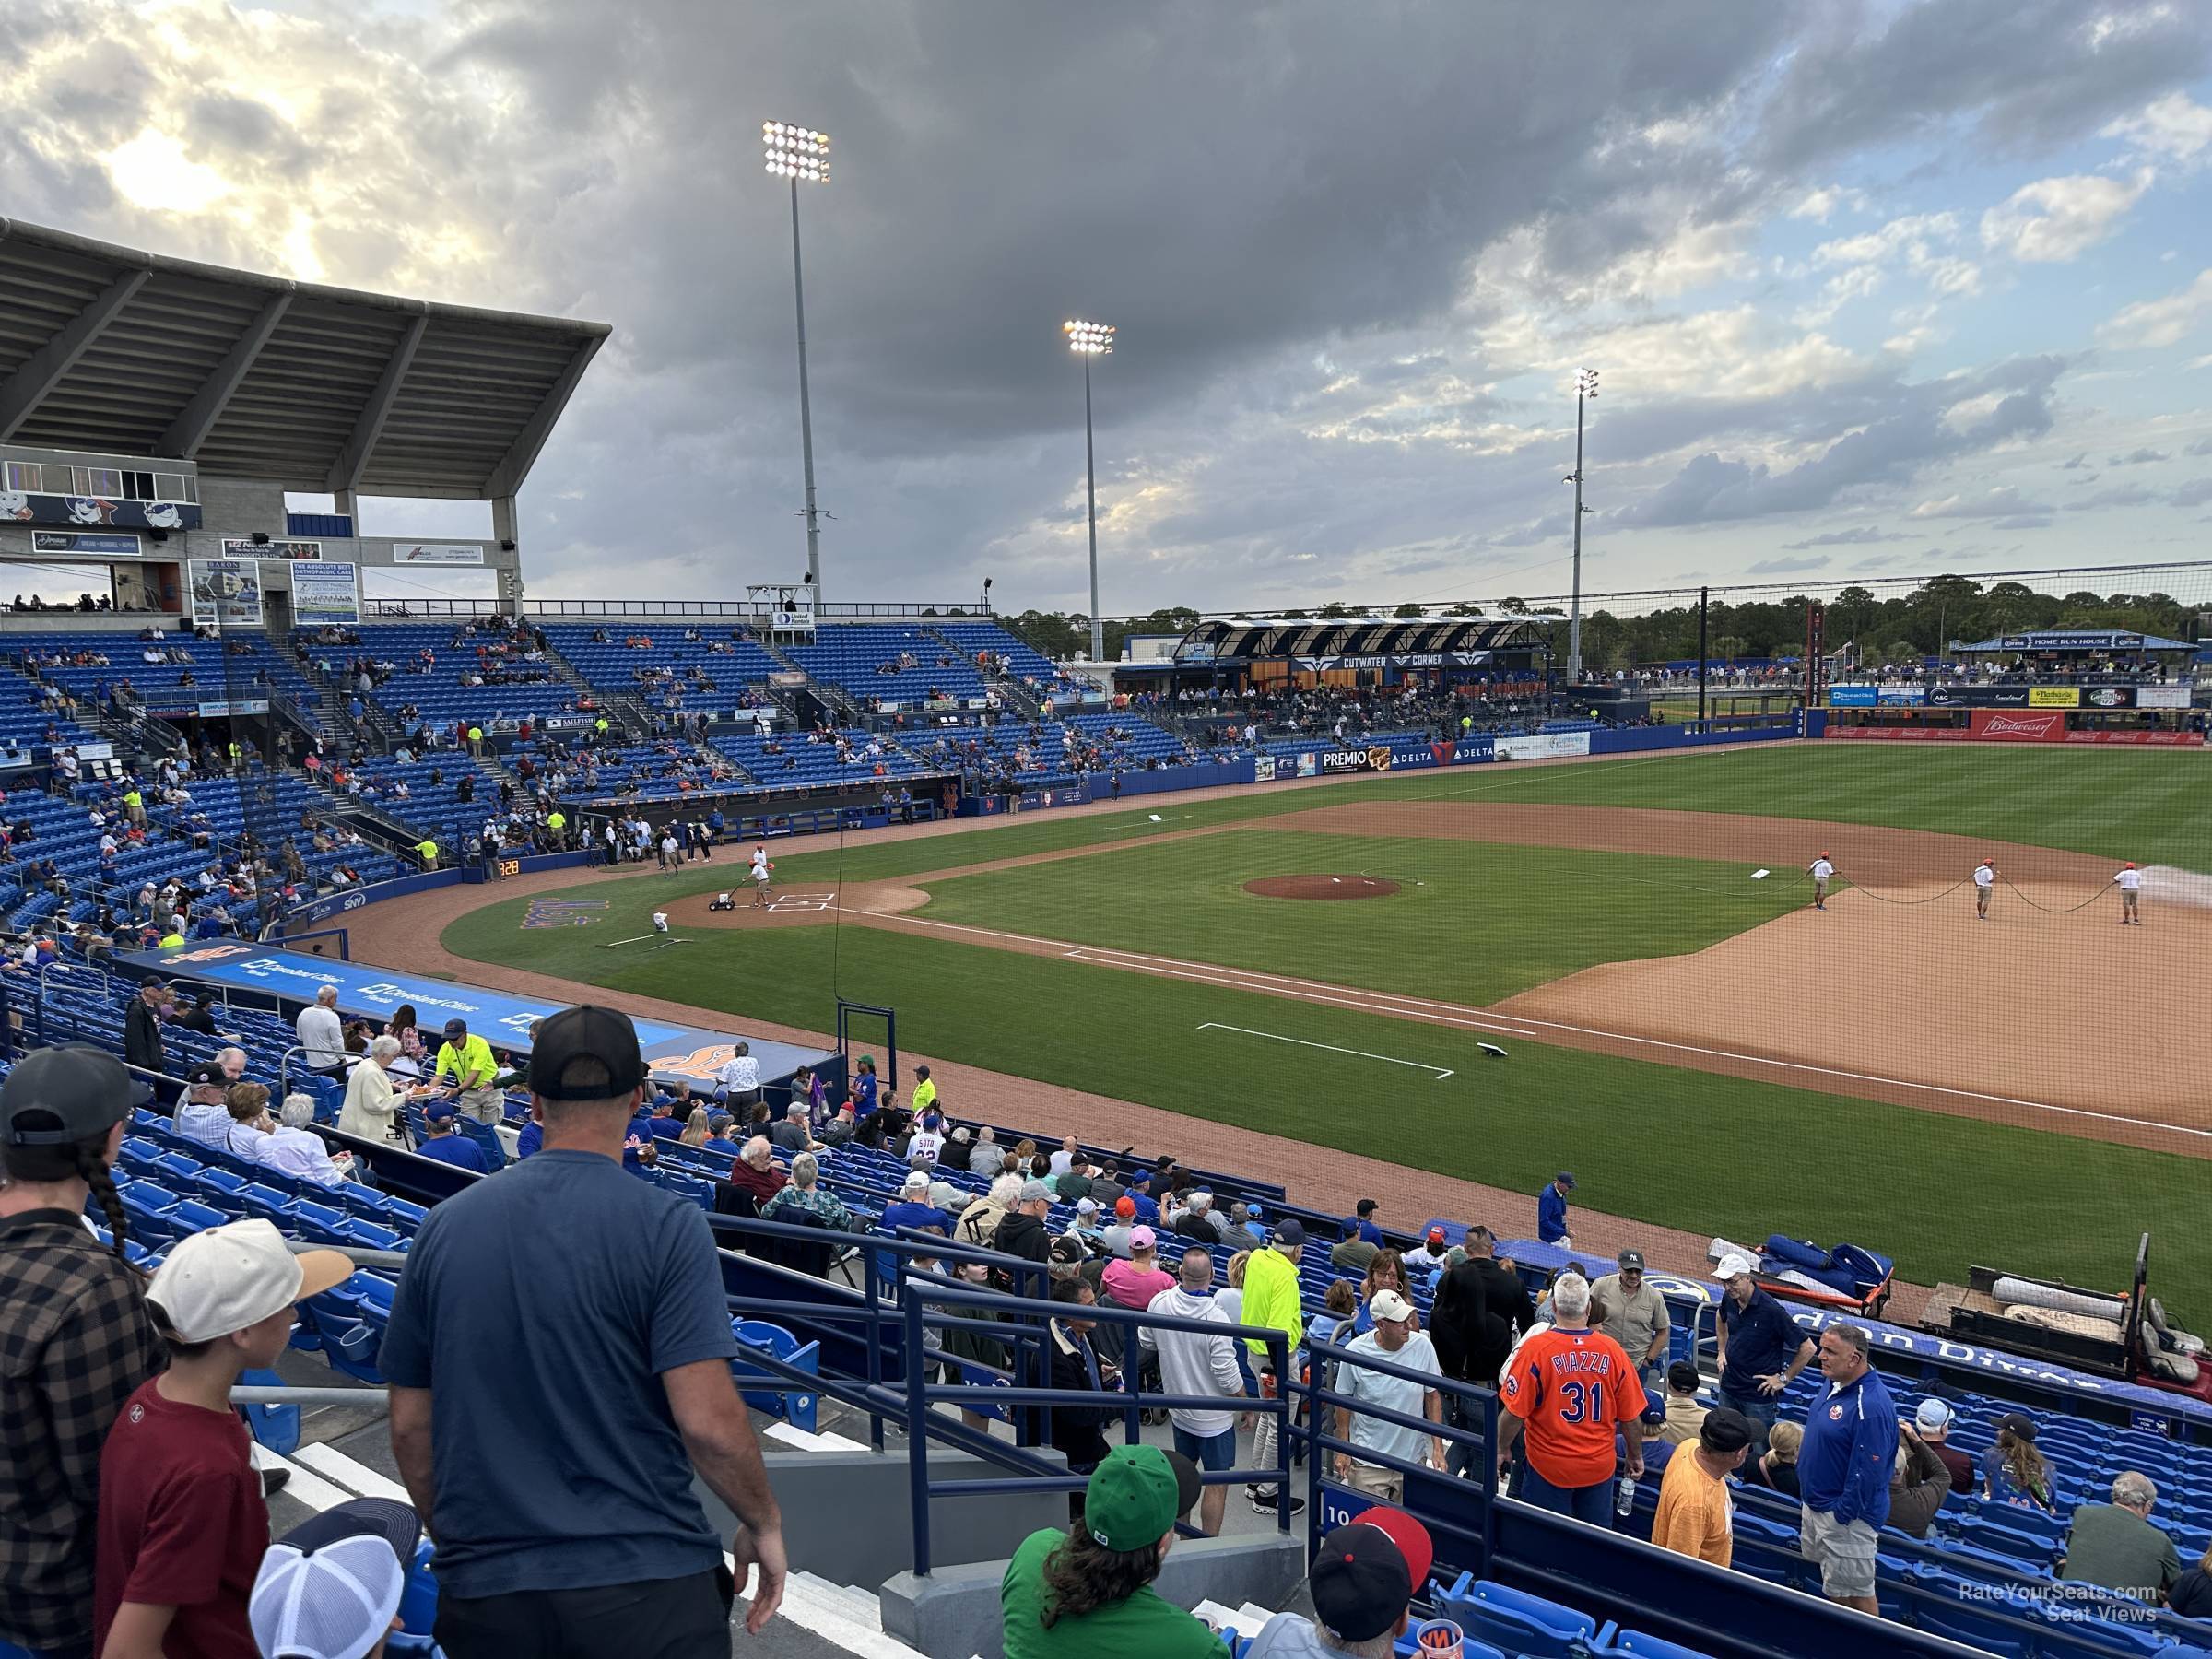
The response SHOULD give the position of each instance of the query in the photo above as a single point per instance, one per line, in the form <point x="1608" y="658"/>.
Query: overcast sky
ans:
<point x="1872" y="287"/>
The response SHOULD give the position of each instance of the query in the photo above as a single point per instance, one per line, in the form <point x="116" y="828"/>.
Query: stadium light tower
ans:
<point x="1088" y="340"/>
<point x="1585" y="388"/>
<point x="801" y="155"/>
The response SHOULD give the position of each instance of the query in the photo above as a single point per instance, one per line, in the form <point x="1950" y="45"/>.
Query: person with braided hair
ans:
<point x="75" y="1336"/>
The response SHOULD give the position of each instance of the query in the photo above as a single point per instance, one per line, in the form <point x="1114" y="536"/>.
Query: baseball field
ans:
<point x="1705" y="1049"/>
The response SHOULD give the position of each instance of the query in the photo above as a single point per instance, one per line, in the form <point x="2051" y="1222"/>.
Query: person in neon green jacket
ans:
<point x="1271" y="1301"/>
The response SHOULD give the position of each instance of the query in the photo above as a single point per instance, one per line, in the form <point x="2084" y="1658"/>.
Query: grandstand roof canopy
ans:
<point x="114" y="351"/>
<point x="1245" y="638"/>
<point x="2073" y="639"/>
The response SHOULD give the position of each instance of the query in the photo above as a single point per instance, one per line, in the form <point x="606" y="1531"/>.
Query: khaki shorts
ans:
<point x="1845" y="1553"/>
<point x="1373" y="1480"/>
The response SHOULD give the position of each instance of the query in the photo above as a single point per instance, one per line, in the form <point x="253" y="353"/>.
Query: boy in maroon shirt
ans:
<point x="183" y="1526"/>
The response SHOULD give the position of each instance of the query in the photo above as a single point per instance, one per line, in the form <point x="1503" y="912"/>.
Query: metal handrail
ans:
<point x="922" y="1424"/>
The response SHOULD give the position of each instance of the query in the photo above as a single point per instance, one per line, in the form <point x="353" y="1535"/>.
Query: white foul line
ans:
<point x="1389" y="1059"/>
<point x="1518" y="1025"/>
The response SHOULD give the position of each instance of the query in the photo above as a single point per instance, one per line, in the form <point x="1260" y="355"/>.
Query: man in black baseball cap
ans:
<point x="597" y="1545"/>
<point x="1364" y="1577"/>
<point x="80" y="1341"/>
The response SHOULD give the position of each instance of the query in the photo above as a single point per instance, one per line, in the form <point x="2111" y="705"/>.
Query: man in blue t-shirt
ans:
<point x="718" y="1135"/>
<point x="1761" y="1349"/>
<point x="554" y="1387"/>
<point x="1140" y="1189"/>
<point x="1844" y="1467"/>
<point x="912" y="1207"/>
<point x="1361" y="1223"/>
<point x="447" y="1144"/>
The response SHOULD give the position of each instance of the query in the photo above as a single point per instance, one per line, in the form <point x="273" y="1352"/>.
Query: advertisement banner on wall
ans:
<point x="1900" y="734"/>
<point x="437" y="553"/>
<point x="2161" y="697"/>
<point x="225" y="591"/>
<point x="87" y="544"/>
<point x="1262" y="768"/>
<point x="1850" y="697"/>
<point x="2161" y="740"/>
<point x="1543" y="746"/>
<point x="97" y="511"/>
<point x="2054" y="697"/>
<point x="238" y="547"/>
<point x="1979" y="697"/>
<point x="326" y="595"/>
<point x="2007" y="725"/>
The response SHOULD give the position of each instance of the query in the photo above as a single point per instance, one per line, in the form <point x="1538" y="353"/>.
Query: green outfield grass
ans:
<point x="2150" y="805"/>
<point x="1685" y="1149"/>
<point x="1677" y="1148"/>
<point x="1472" y="922"/>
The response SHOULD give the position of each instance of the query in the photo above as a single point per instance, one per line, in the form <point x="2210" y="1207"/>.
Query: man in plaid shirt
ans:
<point x="76" y="1339"/>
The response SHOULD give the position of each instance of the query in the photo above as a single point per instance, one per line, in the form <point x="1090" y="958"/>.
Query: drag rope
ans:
<point x="1931" y="898"/>
<point x="2052" y="910"/>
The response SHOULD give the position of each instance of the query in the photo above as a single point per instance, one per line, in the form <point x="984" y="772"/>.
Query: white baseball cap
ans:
<point x="1388" y="1304"/>
<point x="916" y="1182"/>
<point x="225" y="1278"/>
<point x="328" y="1589"/>
<point x="1731" y="1265"/>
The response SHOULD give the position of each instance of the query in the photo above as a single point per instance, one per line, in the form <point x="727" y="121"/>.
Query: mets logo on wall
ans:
<point x="1378" y="760"/>
<point x="213" y="953"/>
<point x="701" y="1064"/>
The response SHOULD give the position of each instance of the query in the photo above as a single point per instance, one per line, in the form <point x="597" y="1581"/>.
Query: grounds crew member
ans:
<point x="556" y="824"/>
<point x="1821" y="870"/>
<point x="2130" y="883"/>
<point x="466" y="1065"/>
<point x="1986" y="879"/>
<point x="427" y="850"/>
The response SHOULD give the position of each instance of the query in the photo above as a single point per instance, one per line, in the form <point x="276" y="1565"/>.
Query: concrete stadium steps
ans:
<point x="344" y="1453"/>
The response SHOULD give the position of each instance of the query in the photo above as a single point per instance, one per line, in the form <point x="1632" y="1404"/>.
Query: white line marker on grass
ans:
<point x="1274" y="1037"/>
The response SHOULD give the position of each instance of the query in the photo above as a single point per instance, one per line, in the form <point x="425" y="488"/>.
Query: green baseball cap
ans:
<point x="1134" y="1495"/>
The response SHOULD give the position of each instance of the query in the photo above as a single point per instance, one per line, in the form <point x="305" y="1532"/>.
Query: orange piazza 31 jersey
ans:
<point x="1572" y="1389"/>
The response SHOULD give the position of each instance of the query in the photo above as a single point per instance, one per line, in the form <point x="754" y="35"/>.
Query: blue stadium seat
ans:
<point x="798" y="1407"/>
<point x="1635" y="1644"/>
<point x="1517" y="1621"/>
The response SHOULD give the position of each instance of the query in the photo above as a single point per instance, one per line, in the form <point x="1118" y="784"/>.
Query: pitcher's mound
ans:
<point x="1321" y="887"/>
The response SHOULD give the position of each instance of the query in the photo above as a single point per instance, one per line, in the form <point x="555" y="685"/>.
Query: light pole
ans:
<point x="1585" y="388"/>
<point x="801" y="155"/>
<point x="1088" y="340"/>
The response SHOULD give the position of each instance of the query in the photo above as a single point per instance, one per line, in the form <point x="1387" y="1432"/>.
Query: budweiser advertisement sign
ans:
<point x="2019" y="725"/>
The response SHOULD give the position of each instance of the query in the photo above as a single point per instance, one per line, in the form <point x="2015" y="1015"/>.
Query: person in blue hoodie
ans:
<point x="1844" y="1467"/>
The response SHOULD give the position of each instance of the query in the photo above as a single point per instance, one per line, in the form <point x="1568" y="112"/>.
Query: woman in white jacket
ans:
<point x="373" y="1099"/>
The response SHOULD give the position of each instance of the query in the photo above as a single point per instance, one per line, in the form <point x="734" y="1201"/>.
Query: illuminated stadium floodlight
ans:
<point x="1585" y="388"/>
<point x="801" y="155"/>
<point x="1089" y="340"/>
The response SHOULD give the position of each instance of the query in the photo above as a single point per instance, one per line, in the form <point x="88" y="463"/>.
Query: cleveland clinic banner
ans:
<point x="226" y="593"/>
<point x="326" y="595"/>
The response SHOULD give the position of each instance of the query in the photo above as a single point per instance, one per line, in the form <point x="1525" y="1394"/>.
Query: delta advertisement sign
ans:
<point x="1375" y="758"/>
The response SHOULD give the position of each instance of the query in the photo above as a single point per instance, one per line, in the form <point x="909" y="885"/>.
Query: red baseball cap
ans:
<point x="1124" y="1206"/>
<point x="1436" y="1235"/>
<point x="1408" y="1535"/>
